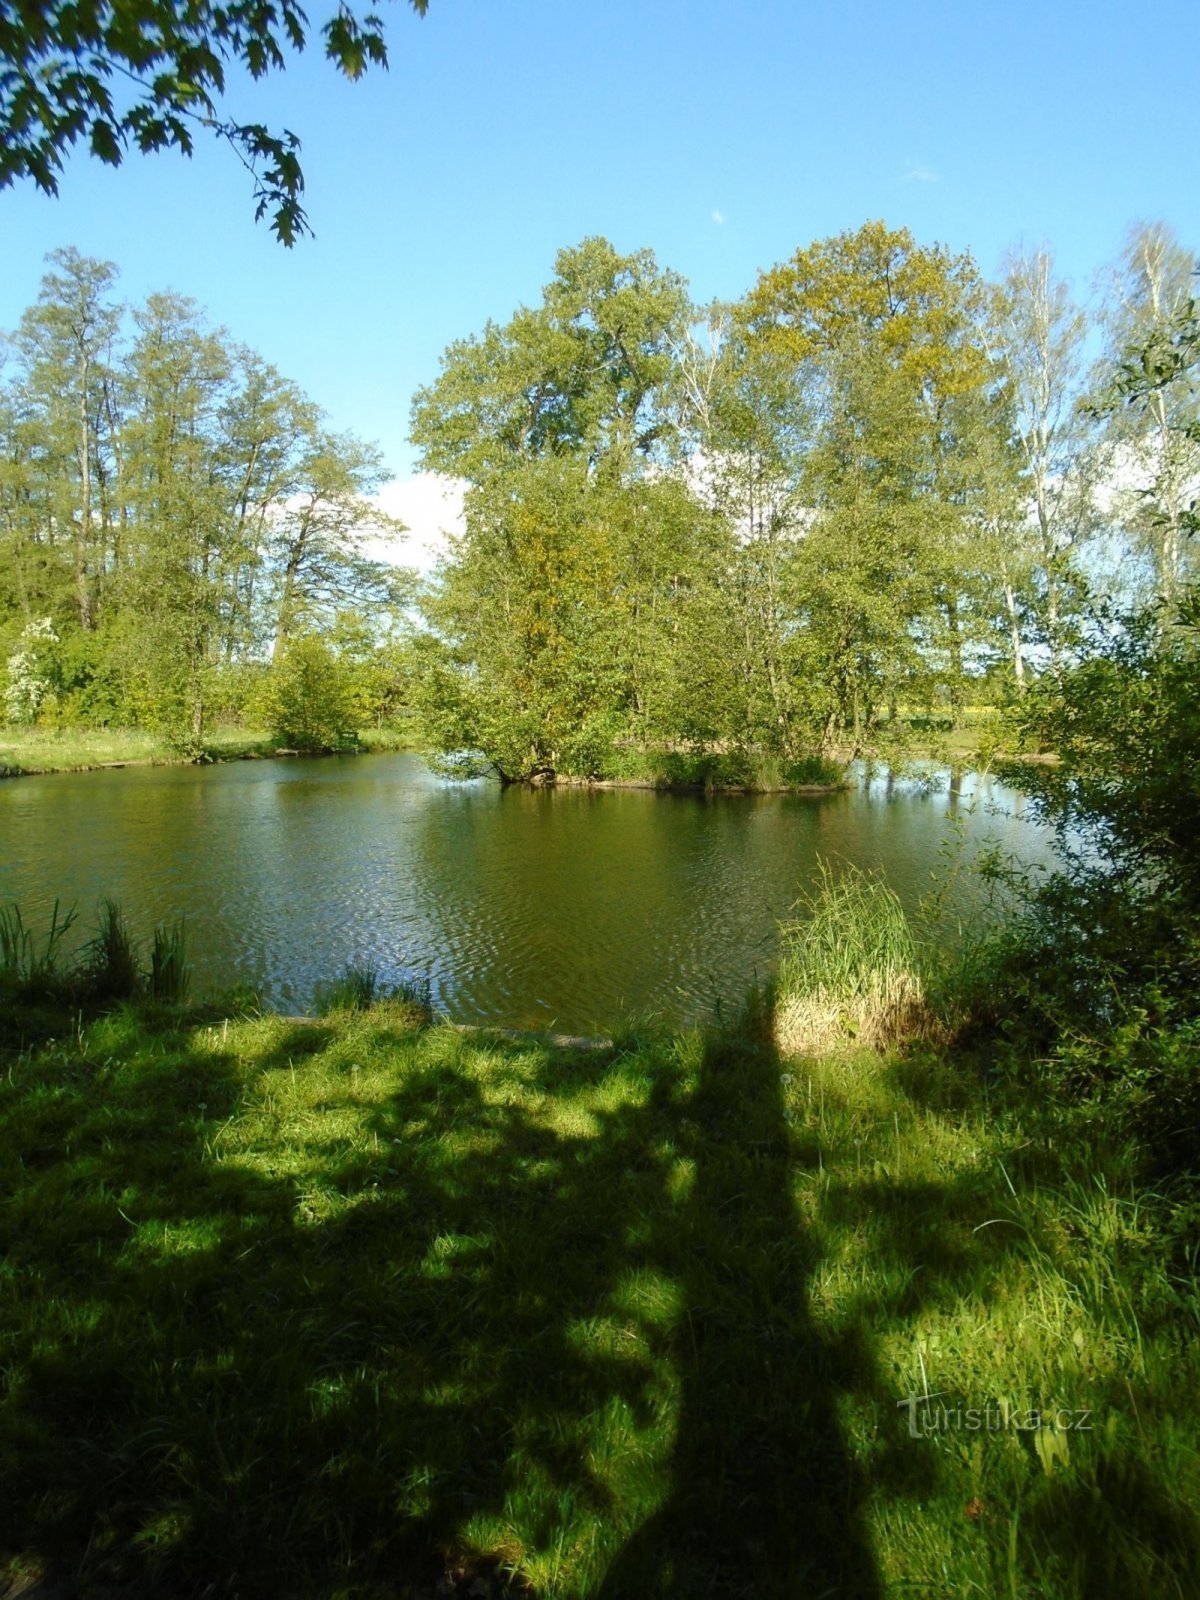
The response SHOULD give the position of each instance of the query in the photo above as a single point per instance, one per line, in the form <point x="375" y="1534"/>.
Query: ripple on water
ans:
<point x="520" y="908"/>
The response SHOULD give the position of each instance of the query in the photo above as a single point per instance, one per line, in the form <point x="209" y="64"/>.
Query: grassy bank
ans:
<point x="980" y="737"/>
<point x="732" y="771"/>
<point x="355" y="1307"/>
<point x="26" y="751"/>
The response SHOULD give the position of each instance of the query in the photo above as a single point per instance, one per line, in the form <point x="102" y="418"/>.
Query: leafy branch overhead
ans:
<point x="148" y="74"/>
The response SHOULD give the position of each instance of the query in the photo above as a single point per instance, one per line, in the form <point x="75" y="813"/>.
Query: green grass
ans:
<point x="330" y="1309"/>
<point x="849" y="969"/>
<point x="31" y="750"/>
<point x="358" y="988"/>
<point x="379" y="740"/>
<point x="715" y="770"/>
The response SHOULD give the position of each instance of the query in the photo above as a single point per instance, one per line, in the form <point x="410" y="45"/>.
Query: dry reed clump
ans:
<point x="849" y="974"/>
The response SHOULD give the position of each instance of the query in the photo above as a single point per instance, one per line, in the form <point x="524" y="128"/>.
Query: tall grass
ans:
<point x="110" y="968"/>
<point x="107" y="969"/>
<point x="169" y="976"/>
<point x="358" y="988"/>
<point x="850" y="969"/>
<point x="22" y="965"/>
<point x="354" y="989"/>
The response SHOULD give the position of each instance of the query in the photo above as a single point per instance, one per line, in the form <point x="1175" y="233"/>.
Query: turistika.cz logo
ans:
<point x="930" y="1413"/>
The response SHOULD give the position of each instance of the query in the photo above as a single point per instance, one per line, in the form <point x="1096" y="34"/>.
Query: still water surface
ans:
<point x="530" y="908"/>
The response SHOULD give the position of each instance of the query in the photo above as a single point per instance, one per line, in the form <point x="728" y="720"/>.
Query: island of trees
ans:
<point x="738" y="543"/>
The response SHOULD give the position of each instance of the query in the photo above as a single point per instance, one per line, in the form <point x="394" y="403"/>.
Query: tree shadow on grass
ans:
<point x="491" y="1316"/>
<point x="369" y="1313"/>
<point x="764" y="1498"/>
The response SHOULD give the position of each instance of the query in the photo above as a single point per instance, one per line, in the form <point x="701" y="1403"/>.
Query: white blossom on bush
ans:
<point x="29" y="669"/>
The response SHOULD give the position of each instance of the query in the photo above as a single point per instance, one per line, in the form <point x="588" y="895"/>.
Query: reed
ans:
<point x="850" y="970"/>
<point x="110" y="968"/>
<point x="358" y="988"/>
<point x="24" y="965"/>
<point x="169" y="975"/>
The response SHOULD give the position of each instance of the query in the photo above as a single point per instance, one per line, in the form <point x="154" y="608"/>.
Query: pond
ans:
<point x="528" y="908"/>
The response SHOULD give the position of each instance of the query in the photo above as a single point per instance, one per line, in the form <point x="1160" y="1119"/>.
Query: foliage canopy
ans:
<point x="148" y="73"/>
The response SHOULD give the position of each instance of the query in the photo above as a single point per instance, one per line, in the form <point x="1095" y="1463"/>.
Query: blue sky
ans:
<point x="724" y="137"/>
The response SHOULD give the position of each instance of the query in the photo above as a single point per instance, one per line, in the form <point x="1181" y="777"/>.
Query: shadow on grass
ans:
<point x="358" y="1312"/>
<point x="764" y="1499"/>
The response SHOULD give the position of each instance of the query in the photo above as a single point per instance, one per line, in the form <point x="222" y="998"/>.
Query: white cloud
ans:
<point x="430" y="506"/>
<point x="919" y="173"/>
<point x="719" y="218"/>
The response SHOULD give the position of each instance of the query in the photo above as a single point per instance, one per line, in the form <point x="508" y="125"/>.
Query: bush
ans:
<point x="1093" y="992"/>
<point x="712" y="770"/>
<point x="306" y="701"/>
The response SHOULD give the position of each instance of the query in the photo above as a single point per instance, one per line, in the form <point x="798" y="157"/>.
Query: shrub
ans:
<point x="306" y="701"/>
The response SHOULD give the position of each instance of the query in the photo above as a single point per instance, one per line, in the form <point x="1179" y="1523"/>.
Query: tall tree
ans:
<point x="552" y="603"/>
<point x="65" y="344"/>
<point x="1042" y="340"/>
<point x="1155" y="449"/>
<point x="267" y="427"/>
<point x="180" y="526"/>
<point x="588" y="372"/>
<point x="889" y="333"/>
<point x="315" y="537"/>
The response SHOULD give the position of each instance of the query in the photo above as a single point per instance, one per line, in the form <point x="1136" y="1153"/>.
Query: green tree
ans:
<point x="65" y="346"/>
<point x="589" y="372"/>
<point x="153" y="75"/>
<point x="266" y="427"/>
<point x="530" y="675"/>
<point x="551" y="609"/>
<point x="314" y="539"/>
<point x="307" y="700"/>
<point x="1154" y="443"/>
<point x="886" y="337"/>
<point x="752" y="409"/>
<point x="178" y="543"/>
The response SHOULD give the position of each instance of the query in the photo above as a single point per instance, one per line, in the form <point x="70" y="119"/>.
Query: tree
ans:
<point x="1155" y="434"/>
<point x="313" y="542"/>
<point x="753" y="410"/>
<point x="588" y="373"/>
<point x="178" y="545"/>
<point x="307" y="699"/>
<point x="1042" y="335"/>
<point x="151" y="74"/>
<point x="552" y="606"/>
<point x="65" y="344"/>
<point x="171" y="507"/>
<point x="889" y="576"/>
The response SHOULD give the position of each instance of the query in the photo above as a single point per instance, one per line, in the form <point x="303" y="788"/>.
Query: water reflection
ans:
<point x="522" y="907"/>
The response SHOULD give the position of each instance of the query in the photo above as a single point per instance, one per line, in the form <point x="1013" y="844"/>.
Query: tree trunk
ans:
<point x="83" y="538"/>
<point x="1014" y="629"/>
